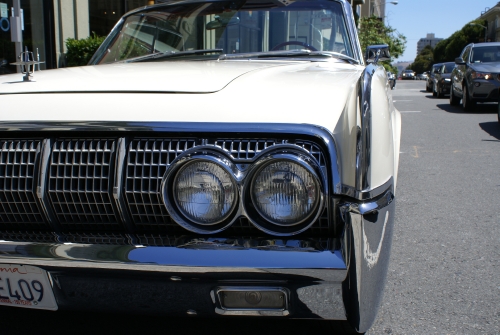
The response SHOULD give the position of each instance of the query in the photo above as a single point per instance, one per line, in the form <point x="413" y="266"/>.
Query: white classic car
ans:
<point x="218" y="159"/>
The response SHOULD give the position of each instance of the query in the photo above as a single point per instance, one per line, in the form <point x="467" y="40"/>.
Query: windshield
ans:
<point x="233" y="27"/>
<point x="448" y="67"/>
<point x="486" y="54"/>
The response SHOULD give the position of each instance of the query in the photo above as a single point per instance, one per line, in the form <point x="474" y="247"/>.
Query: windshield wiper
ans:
<point x="289" y="53"/>
<point x="172" y="54"/>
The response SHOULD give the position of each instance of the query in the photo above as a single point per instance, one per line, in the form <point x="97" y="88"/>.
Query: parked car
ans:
<point x="421" y="76"/>
<point x="408" y="74"/>
<point x="392" y="80"/>
<point x="475" y="77"/>
<point x="442" y="79"/>
<point x="232" y="158"/>
<point x="429" y="84"/>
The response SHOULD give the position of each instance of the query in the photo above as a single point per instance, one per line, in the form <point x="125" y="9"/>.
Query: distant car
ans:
<point x="408" y="74"/>
<point x="429" y="85"/>
<point x="442" y="81"/>
<point x="476" y="75"/>
<point x="421" y="76"/>
<point x="391" y="77"/>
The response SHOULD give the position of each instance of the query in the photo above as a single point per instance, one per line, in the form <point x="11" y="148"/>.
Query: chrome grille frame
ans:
<point x="242" y="142"/>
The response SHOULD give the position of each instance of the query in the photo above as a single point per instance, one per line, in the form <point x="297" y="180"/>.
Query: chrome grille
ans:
<point x="147" y="161"/>
<point x="80" y="183"/>
<point x="18" y="204"/>
<point x="244" y="149"/>
<point x="79" y="194"/>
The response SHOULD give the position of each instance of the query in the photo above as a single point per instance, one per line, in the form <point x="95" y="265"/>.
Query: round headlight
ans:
<point x="285" y="192"/>
<point x="204" y="192"/>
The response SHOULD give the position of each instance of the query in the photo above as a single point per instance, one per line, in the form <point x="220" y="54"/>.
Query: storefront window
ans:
<point x="33" y="32"/>
<point x="104" y="14"/>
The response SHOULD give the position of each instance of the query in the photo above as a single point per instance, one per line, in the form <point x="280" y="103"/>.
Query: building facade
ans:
<point x="430" y="39"/>
<point x="45" y="25"/>
<point x="492" y="16"/>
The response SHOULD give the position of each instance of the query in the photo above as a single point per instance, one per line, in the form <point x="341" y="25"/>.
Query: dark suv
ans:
<point x="475" y="77"/>
<point x="429" y="84"/>
<point x="442" y="79"/>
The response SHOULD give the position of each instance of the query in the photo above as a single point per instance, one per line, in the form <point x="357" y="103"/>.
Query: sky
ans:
<point x="416" y="18"/>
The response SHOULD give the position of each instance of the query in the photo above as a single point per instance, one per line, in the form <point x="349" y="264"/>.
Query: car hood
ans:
<point x="486" y="67"/>
<point x="214" y="91"/>
<point x="178" y="77"/>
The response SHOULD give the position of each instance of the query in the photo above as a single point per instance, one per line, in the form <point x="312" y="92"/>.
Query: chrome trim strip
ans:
<point x="318" y="264"/>
<point x="363" y="181"/>
<point x="120" y="155"/>
<point x="41" y="191"/>
<point x="367" y="194"/>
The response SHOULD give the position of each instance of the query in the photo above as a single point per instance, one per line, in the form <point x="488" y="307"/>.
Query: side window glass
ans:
<point x="466" y="54"/>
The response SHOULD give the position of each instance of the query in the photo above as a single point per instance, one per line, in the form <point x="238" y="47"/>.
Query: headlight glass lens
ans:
<point x="204" y="192"/>
<point x="285" y="193"/>
<point x="481" y="75"/>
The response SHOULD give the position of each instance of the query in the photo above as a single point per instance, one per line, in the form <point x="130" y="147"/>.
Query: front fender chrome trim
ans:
<point x="366" y="245"/>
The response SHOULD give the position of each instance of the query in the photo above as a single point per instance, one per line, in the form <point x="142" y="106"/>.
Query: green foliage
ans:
<point x="449" y="49"/>
<point x="424" y="60"/>
<point x="372" y="30"/>
<point x="80" y="51"/>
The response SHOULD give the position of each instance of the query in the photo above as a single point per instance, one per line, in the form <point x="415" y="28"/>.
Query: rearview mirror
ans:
<point x="376" y="53"/>
<point x="221" y="22"/>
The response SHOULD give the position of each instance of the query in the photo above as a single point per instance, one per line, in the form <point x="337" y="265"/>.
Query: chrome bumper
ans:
<point x="313" y="277"/>
<point x="343" y="283"/>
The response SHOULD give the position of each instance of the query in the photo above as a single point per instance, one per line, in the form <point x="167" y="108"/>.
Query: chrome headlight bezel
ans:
<point x="170" y="199"/>
<point x="258" y="219"/>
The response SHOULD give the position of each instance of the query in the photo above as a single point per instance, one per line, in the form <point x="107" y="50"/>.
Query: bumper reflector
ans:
<point x="252" y="299"/>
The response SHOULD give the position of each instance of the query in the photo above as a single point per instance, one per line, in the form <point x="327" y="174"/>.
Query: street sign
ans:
<point x="4" y="10"/>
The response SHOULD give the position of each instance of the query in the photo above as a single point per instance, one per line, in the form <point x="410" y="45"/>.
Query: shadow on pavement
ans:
<point x="486" y="108"/>
<point x="492" y="128"/>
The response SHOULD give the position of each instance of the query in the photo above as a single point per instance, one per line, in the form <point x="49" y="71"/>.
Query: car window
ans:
<point x="447" y="68"/>
<point x="466" y="53"/>
<point x="233" y="26"/>
<point x="487" y="54"/>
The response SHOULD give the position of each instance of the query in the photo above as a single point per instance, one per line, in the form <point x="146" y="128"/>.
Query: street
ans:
<point x="444" y="274"/>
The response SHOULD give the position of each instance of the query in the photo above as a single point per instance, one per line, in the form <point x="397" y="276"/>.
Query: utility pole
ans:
<point x="16" y="32"/>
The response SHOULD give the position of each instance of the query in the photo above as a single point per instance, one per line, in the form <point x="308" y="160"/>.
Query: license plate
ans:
<point x="25" y="286"/>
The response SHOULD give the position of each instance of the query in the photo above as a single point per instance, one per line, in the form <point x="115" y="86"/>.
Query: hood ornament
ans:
<point x="27" y="64"/>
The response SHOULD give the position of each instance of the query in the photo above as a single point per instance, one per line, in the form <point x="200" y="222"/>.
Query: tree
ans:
<point x="449" y="49"/>
<point x="372" y="30"/>
<point x="424" y="60"/>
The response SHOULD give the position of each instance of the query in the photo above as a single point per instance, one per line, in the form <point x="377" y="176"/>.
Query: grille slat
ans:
<point x="18" y="203"/>
<point x="80" y="183"/>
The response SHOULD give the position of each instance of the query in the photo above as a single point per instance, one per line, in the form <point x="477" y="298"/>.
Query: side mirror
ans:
<point x="3" y="62"/>
<point x="459" y="61"/>
<point x="376" y="53"/>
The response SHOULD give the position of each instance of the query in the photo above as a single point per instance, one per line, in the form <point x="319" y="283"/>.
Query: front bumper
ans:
<point x="175" y="280"/>
<point x="338" y="279"/>
<point x="482" y="90"/>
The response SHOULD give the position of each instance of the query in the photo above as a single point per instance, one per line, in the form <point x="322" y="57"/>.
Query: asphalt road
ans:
<point x="444" y="275"/>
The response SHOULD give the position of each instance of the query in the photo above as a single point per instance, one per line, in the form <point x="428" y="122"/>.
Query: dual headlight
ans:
<point x="280" y="193"/>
